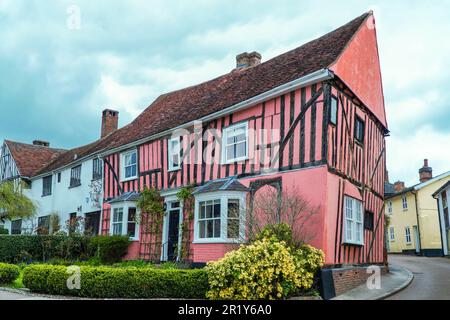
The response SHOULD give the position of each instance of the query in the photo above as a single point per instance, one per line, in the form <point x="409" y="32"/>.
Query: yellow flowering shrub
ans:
<point x="265" y="269"/>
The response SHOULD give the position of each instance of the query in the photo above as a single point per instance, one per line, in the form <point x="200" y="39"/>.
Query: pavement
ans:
<point x="431" y="278"/>
<point x="13" y="294"/>
<point x="396" y="280"/>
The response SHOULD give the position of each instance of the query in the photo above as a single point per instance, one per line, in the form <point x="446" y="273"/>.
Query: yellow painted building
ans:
<point x="414" y="217"/>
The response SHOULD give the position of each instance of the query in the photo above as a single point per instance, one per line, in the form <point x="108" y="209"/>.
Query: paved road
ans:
<point x="431" y="278"/>
<point x="4" y="295"/>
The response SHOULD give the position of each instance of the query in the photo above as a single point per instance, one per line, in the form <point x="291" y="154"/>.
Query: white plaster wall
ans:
<point x="65" y="200"/>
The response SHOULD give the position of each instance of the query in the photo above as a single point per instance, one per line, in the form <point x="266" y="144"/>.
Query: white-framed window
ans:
<point x="235" y="143"/>
<point x="220" y="217"/>
<point x="124" y="221"/>
<point x="392" y="233"/>
<point x="333" y="110"/>
<point x="209" y="219"/>
<point x="129" y="165"/>
<point x="389" y="206"/>
<point x="353" y="222"/>
<point x="408" y="235"/>
<point x="405" y="203"/>
<point x="174" y="154"/>
<point x="117" y="222"/>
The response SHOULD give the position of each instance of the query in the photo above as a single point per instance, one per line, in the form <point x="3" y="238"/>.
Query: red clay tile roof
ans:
<point x="30" y="158"/>
<point x="179" y="107"/>
<point x="73" y="155"/>
<point x="183" y="106"/>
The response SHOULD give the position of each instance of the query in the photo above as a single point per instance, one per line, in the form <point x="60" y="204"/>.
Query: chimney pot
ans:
<point x="399" y="186"/>
<point x="110" y="122"/>
<point x="426" y="172"/>
<point x="41" y="143"/>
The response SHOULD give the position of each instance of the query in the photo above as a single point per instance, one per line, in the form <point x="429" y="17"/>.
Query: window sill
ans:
<point x="129" y="179"/>
<point x="217" y="241"/>
<point x="174" y="169"/>
<point x="75" y="186"/>
<point x="46" y="195"/>
<point x="354" y="244"/>
<point x="233" y="161"/>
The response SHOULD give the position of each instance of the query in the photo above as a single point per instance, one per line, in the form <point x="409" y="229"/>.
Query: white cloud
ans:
<point x="405" y="155"/>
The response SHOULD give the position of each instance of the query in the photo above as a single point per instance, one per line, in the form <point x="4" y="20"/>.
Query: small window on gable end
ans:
<point x="369" y="220"/>
<point x="333" y="110"/>
<point x="359" y="130"/>
<point x="59" y="177"/>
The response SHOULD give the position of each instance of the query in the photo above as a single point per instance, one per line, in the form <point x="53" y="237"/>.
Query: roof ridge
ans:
<point x="33" y="145"/>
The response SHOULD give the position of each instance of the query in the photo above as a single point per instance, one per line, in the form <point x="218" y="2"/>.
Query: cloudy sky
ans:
<point x="56" y="76"/>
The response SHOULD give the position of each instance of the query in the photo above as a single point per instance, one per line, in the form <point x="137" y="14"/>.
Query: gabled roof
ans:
<point x="438" y="191"/>
<point x="183" y="106"/>
<point x="420" y="185"/>
<point x="186" y="105"/>
<point x="75" y="154"/>
<point x="30" y="159"/>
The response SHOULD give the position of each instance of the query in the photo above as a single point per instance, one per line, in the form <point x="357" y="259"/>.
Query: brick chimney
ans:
<point x="426" y="172"/>
<point x="41" y="143"/>
<point x="110" y="122"/>
<point x="247" y="60"/>
<point x="399" y="186"/>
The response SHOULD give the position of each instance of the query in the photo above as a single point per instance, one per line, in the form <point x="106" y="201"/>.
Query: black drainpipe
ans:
<point x="418" y="223"/>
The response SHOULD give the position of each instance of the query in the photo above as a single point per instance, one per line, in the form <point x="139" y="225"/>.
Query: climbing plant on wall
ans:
<point x="187" y="198"/>
<point x="151" y="219"/>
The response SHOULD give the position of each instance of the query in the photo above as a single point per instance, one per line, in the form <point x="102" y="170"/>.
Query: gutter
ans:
<point x="317" y="76"/>
<point x="417" y="217"/>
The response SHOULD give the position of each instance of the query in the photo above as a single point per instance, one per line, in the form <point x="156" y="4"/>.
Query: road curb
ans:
<point x="401" y="287"/>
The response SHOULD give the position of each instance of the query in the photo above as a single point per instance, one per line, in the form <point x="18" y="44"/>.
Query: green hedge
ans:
<point x="42" y="248"/>
<point x="31" y="248"/>
<point x="3" y="231"/>
<point x="109" y="249"/>
<point x="129" y="283"/>
<point x="8" y="273"/>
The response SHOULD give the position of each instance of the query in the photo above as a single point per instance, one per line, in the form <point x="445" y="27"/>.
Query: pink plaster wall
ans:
<point x="359" y="67"/>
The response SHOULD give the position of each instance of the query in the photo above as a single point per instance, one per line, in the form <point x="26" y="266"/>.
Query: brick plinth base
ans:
<point x="348" y="278"/>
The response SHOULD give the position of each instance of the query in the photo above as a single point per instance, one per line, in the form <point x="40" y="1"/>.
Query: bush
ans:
<point x="280" y="232"/>
<point x="8" y="273"/>
<point x="29" y="248"/>
<point x="109" y="249"/>
<point x="266" y="269"/>
<point x="109" y="282"/>
<point x="3" y="231"/>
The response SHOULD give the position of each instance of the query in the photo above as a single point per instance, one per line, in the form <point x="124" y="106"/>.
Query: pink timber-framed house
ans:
<point x="323" y="104"/>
